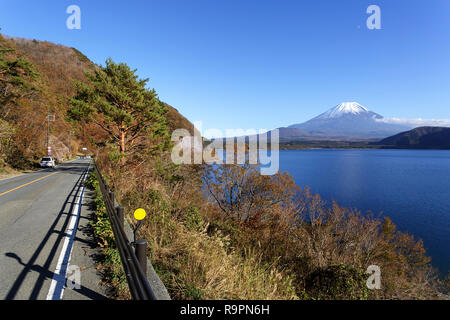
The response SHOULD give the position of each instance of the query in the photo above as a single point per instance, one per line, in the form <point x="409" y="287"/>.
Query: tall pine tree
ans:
<point x="119" y="103"/>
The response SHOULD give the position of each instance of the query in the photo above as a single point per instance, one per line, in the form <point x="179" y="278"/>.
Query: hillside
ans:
<point x="58" y="66"/>
<point x="419" y="138"/>
<point x="48" y="91"/>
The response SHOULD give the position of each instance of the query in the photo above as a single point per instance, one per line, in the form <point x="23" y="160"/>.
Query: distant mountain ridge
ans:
<point x="419" y="138"/>
<point x="346" y="121"/>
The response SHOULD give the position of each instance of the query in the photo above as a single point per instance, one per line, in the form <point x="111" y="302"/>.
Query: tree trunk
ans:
<point x="122" y="141"/>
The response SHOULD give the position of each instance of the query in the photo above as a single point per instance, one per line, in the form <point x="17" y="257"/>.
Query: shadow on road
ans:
<point x="44" y="272"/>
<point x="48" y="274"/>
<point x="74" y="167"/>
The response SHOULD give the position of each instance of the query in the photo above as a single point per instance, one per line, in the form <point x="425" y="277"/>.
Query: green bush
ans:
<point x="193" y="220"/>
<point x="338" y="282"/>
<point x="91" y="181"/>
<point x="114" y="275"/>
<point x="193" y="293"/>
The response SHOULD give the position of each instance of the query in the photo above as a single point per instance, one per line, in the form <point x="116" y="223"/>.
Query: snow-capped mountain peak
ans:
<point x="343" y="109"/>
<point x="348" y="120"/>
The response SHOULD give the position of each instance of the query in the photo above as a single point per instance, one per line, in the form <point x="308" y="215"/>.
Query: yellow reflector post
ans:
<point x="140" y="214"/>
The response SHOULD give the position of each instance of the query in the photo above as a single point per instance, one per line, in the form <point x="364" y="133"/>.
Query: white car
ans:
<point x="47" y="162"/>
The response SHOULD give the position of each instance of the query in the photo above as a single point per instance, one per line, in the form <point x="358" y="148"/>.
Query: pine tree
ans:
<point x="17" y="77"/>
<point x="119" y="103"/>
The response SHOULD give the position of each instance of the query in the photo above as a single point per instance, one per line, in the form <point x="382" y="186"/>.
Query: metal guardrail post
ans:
<point x="141" y="253"/>
<point x="120" y="216"/>
<point x="134" y="258"/>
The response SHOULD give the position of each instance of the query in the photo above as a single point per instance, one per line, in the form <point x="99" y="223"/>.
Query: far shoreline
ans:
<point x="287" y="148"/>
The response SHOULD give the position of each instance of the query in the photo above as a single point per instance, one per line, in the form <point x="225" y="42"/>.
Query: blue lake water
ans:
<point x="412" y="187"/>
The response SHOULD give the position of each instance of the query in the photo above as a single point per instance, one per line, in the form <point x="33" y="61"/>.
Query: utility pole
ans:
<point x="50" y="117"/>
<point x="68" y="142"/>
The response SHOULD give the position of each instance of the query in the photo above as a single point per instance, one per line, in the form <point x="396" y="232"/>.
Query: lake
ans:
<point x="412" y="187"/>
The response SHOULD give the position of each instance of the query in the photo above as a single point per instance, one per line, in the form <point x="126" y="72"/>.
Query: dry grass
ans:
<point x="196" y="265"/>
<point x="275" y="252"/>
<point x="192" y="262"/>
<point x="7" y="172"/>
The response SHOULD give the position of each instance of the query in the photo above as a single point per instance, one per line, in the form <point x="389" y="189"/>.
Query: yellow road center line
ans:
<point x="26" y="184"/>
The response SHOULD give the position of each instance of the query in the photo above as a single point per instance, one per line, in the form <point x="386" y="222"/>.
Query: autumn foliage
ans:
<point x="317" y="242"/>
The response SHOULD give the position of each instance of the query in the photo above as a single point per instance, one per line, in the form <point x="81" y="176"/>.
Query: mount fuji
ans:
<point x="346" y="121"/>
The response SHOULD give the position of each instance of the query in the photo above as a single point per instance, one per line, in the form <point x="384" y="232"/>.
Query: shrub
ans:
<point x="193" y="220"/>
<point x="308" y="238"/>
<point x="114" y="275"/>
<point x="338" y="282"/>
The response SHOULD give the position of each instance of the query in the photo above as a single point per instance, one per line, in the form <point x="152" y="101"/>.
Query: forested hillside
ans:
<point x="419" y="138"/>
<point x="37" y="79"/>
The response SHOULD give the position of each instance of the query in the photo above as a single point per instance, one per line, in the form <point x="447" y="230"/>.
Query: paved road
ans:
<point x="36" y="214"/>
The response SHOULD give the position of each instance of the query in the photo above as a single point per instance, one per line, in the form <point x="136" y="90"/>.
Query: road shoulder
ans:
<point x="86" y="255"/>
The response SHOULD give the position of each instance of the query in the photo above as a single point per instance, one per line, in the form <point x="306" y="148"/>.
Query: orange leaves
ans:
<point x="304" y="234"/>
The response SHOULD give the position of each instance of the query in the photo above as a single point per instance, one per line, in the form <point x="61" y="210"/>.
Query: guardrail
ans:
<point x="132" y="254"/>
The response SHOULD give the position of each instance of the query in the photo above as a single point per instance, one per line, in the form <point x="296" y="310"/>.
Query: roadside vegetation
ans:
<point x="110" y="265"/>
<point x="272" y="240"/>
<point x="36" y="78"/>
<point x="18" y="89"/>
<point x="192" y="263"/>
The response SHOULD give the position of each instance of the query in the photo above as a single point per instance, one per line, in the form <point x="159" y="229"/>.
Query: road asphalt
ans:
<point x="45" y="237"/>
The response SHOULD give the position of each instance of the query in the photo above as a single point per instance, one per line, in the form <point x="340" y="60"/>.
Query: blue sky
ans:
<point x="262" y="64"/>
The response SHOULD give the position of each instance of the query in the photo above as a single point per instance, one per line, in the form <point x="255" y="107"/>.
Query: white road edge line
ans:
<point x="58" y="283"/>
